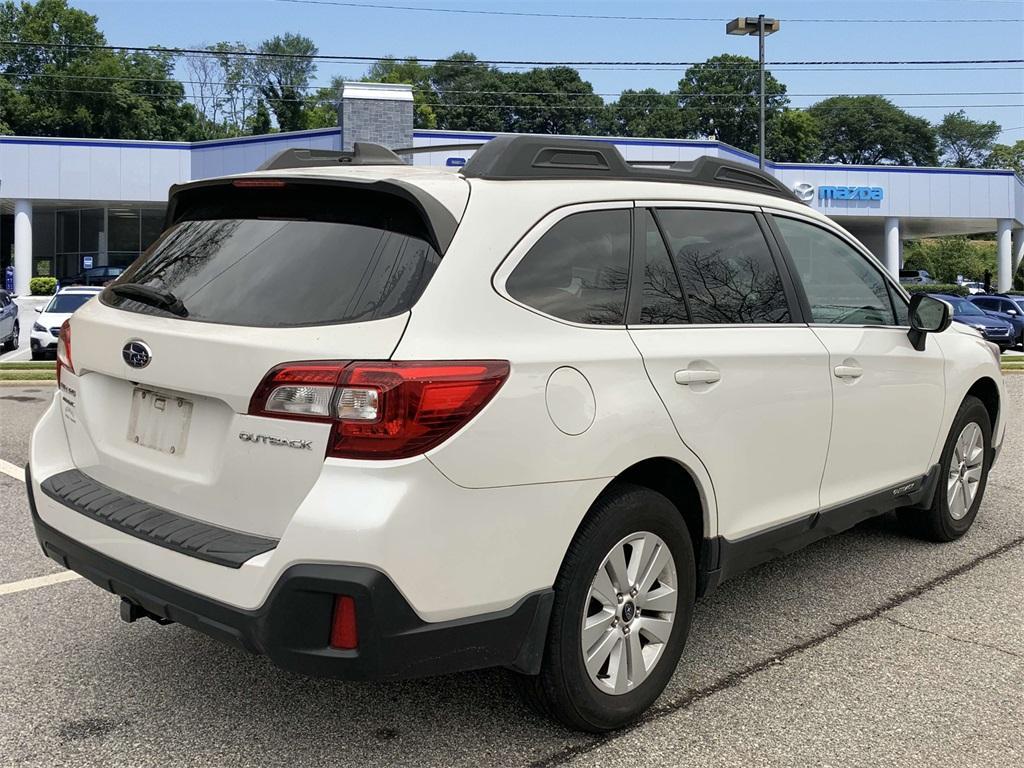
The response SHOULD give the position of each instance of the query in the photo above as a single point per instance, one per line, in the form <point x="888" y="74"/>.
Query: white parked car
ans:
<point x="46" y="328"/>
<point x="381" y="421"/>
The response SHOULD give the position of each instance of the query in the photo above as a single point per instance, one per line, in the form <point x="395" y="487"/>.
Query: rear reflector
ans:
<point x="343" y="626"/>
<point x="381" y="410"/>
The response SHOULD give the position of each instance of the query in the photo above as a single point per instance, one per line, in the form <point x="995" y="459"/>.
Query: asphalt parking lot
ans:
<point x="868" y="649"/>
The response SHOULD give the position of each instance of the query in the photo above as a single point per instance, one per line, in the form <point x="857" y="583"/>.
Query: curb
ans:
<point x="29" y="383"/>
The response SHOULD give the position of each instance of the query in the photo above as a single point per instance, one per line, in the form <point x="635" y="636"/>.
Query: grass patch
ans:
<point x="30" y="375"/>
<point x="36" y="365"/>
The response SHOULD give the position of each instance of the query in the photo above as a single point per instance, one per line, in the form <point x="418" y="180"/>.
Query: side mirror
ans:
<point x="927" y="315"/>
<point x="39" y="310"/>
<point x="1011" y="312"/>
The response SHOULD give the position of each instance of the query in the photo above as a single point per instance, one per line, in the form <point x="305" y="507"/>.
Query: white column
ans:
<point x="892" y="246"/>
<point x="22" y="246"/>
<point x="1017" y="249"/>
<point x="1003" y="256"/>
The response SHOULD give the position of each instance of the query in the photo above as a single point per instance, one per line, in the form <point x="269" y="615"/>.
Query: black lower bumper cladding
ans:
<point x="293" y="625"/>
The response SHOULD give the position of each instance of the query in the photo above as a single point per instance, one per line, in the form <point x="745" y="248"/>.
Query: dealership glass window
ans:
<point x="725" y="265"/>
<point x="67" y="231"/>
<point x="43" y="243"/>
<point x="842" y="286"/>
<point x="152" y="226"/>
<point x="578" y="270"/>
<point x="92" y="237"/>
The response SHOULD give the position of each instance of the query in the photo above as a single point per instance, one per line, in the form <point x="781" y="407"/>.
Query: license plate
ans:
<point x="160" y="422"/>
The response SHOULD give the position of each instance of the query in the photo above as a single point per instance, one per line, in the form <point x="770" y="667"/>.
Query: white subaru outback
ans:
<point x="379" y="421"/>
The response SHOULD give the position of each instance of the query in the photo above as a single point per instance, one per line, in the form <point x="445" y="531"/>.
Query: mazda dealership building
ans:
<point x="70" y="204"/>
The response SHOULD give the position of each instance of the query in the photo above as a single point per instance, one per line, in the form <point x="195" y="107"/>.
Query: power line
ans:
<point x="604" y="17"/>
<point x="518" y="62"/>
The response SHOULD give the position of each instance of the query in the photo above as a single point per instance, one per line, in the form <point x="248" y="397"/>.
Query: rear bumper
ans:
<point x="292" y="626"/>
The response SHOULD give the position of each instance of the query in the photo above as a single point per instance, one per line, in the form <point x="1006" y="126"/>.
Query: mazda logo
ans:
<point x="804" y="191"/>
<point x="136" y="354"/>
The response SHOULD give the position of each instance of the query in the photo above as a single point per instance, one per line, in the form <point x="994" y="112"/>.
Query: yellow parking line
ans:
<point x="38" y="581"/>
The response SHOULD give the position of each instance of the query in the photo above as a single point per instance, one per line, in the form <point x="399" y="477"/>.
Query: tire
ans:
<point x="948" y="520"/>
<point x="565" y="690"/>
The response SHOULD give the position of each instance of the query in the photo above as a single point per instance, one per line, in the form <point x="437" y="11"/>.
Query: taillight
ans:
<point x="64" y="349"/>
<point x="381" y="410"/>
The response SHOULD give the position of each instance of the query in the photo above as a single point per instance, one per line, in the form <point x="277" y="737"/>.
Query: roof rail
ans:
<point x="363" y="153"/>
<point x="438" y="148"/>
<point x="541" y="157"/>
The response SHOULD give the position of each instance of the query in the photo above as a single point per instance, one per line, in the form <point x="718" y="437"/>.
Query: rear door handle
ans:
<point x="697" y="377"/>
<point x="848" y="371"/>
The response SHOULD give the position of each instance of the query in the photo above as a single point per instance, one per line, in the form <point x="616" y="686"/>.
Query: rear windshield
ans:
<point x="66" y="303"/>
<point x="285" y="257"/>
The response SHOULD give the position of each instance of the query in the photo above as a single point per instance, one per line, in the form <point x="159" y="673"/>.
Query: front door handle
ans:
<point x="688" y="376"/>
<point x="848" y="371"/>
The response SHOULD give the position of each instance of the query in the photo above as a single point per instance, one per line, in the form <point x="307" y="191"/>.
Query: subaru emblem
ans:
<point x="137" y="354"/>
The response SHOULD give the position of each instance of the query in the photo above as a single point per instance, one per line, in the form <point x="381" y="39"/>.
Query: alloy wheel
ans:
<point x="630" y="612"/>
<point x="965" y="468"/>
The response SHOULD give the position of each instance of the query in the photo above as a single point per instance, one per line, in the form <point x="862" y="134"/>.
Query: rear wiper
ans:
<point x="153" y="296"/>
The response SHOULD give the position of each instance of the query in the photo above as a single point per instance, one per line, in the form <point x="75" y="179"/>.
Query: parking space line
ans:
<point x="38" y="581"/>
<point x="13" y="470"/>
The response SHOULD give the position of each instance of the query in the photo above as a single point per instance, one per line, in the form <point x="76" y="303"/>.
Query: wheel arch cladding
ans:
<point x="986" y="390"/>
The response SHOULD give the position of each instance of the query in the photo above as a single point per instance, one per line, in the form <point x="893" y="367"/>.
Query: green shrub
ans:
<point x="950" y="288"/>
<point x="42" y="286"/>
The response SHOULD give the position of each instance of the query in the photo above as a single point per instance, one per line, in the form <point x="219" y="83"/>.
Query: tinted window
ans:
<point x="842" y="286"/>
<point x="66" y="303"/>
<point x="305" y="258"/>
<point x="987" y="303"/>
<point x="578" y="270"/>
<point x="725" y="266"/>
<point x="662" y="298"/>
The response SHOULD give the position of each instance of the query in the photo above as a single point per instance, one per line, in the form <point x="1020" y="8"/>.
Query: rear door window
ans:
<point x="578" y="270"/>
<point x="287" y="257"/>
<point x="725" y="266"/>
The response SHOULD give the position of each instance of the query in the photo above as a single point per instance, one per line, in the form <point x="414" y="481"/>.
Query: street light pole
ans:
<point x="760" y="69"/>
<point x="762" y="27"/>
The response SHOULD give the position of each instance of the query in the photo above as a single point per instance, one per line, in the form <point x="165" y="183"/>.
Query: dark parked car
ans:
<point x="1008" y="308"/>
<point x="992" y="328"/>
<point x="9" y="330"/>
<point x="95" y="276"/>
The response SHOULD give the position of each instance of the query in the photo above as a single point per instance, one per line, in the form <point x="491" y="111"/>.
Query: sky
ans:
<point x="811" y="30"/>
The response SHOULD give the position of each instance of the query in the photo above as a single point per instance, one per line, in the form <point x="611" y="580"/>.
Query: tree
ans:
<point x="721" y="96"/>
<point x="794" y="136"/>
<point x="551" y="100"/>
<point x="872" y="130"/>
<point x="1007" y="156"/>
<point x="410" y="71"/>
<point x="647" y="113"/>
<point x="963" y="142"/>
<point x="284" y="70"/>
<point x="259" y="122"/>
<point x="947" y="258"/>
<point x="85" y="92"/>
<point x="470" y="96"/>
<point x="241" y="89"/>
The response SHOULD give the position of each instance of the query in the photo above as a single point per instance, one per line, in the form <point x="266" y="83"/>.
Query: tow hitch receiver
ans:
<point x="132" y="612"/>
